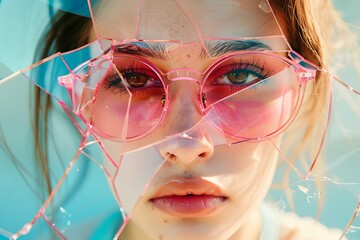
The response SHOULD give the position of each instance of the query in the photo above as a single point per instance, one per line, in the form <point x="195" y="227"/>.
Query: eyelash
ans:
<point x="114" y="82"/>
<point x="254" y="67"/>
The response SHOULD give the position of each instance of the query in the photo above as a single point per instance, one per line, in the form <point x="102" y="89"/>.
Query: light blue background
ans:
<point x="17" y="51"/>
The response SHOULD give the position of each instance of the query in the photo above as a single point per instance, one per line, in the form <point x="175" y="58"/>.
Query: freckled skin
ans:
<point x="244" y="171"/>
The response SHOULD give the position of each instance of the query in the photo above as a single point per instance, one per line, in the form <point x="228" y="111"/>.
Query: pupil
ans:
<point x="137" y="80"/>
<point x="237" y="77"/>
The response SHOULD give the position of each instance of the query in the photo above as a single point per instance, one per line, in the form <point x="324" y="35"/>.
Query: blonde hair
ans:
<point x="314" y="28"/>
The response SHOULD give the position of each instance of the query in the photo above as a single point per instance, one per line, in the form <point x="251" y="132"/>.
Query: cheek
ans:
<point x="256" y="112"/>
<point x="123" y="114"/>
<point x="248" y="170"/>
<point x="247" y="167"/>
<point x="129" y="176"/>
<point x="109" y="114"/>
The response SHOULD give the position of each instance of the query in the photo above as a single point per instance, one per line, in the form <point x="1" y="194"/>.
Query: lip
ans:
<point x="188" y="197"/>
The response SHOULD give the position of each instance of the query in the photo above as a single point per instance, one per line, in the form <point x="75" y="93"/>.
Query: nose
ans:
<point x="187" y="148"/>
<point x="188" y="142"/>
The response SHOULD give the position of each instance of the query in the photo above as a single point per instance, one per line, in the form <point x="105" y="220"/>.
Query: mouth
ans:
<point x="188" y="198"/>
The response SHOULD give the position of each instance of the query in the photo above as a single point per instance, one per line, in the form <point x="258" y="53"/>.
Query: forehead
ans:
<point x="185" y="21"/>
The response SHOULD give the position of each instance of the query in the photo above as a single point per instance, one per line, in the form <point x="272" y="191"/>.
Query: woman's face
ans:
<point x="201" y="189"/>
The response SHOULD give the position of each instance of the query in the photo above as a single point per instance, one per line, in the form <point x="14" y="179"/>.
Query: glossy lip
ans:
<point x="193" y="197"/>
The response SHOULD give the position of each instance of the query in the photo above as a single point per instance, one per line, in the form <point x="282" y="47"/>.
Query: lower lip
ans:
<point x="189" y="205"/>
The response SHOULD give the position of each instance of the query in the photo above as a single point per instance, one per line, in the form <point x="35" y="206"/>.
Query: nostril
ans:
<point x="170" y="156"/>
<point x="203" y="155"/>
<point x="187" y="157"/>
<point x="187" y="149"/>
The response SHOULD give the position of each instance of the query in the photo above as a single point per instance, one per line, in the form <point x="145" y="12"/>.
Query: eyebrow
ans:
<point x="143" y="49"/>
<point x="213" y="48"/>
<point x="218" y="48"/>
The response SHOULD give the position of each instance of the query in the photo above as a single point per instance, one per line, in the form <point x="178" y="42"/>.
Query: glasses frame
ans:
<point x="304" y="70"/>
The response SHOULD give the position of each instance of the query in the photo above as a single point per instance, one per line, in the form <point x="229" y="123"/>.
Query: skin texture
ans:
<point x="305" y="37"/>
<point x="242" y="173"/>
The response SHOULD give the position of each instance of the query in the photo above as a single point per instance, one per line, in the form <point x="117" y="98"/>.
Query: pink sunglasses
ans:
<point x="254" y="94"/>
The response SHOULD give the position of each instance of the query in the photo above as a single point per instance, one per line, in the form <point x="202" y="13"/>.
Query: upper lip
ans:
<point x="188" y="186"/>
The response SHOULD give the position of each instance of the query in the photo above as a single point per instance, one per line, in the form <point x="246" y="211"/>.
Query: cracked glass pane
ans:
<point x="178" y="119"/>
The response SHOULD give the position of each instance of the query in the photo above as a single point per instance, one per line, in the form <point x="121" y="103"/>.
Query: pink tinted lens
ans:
<point x="129" y="99"/>
<point x="253" y="95"/>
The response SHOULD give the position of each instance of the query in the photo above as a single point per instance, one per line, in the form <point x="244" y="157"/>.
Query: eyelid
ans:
<point x="120" y="84"/>
<point x="229" y="67"/>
